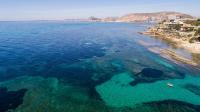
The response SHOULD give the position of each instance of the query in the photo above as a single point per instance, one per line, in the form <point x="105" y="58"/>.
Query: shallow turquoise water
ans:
<point x="87" y="67"/>
<point x="122" y="94"/>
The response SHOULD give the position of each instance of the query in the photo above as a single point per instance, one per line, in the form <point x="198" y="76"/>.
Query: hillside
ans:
<point x="158" y="16"/>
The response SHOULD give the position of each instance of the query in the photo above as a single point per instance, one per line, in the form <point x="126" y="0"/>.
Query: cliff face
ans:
<point x="158" y="16"/>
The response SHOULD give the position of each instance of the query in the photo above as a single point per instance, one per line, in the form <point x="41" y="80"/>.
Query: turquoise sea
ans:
<point x="59" y="66"/>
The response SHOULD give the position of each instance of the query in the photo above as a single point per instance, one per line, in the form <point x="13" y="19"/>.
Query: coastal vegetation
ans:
<point x="193" y="22"/>
<point x="196" y="37"/>
<point x="176" y="27"/>
<point x="197" y="33"/>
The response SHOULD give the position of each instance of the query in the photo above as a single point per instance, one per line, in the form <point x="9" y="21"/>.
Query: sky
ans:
<point x="77" y="9"/>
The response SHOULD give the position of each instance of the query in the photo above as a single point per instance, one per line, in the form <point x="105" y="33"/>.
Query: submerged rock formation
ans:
<point x="10" y="99"/>
<point x="173" y="106"/>
<point x="193" y="88"/>
<point x="150" y="75"/>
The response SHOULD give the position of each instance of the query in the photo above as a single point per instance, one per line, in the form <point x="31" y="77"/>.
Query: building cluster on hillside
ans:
<point x="186" y="29"/>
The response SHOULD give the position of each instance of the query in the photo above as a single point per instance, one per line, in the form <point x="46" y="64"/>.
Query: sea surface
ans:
<point x="59" y="66"/>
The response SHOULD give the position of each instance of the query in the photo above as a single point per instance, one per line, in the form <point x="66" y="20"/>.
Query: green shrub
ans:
<point x="192" y="40"/>
<point x="189" y="29"/>
<point x="193" y="22"/>
<point x="177" y="27"/>
<point x="197" y="33"/>
<point x="190" y="35"/>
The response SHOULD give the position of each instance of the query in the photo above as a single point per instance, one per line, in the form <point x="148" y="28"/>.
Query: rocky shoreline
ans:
<point x="169" y="54"/>
<point x="193" y="48"/>
<point x="190" y="47"/>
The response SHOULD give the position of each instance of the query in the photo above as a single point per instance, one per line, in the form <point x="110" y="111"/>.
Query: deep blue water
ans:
<point x="82" y="55"/>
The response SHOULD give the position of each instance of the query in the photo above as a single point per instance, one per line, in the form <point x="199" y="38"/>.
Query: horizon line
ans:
<point x="86" y="18"/>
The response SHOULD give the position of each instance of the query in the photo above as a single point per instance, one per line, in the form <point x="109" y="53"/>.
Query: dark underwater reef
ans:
<point x="10" y="99"/>
<point x="150" y="75"/>
<point x="193" y="88"/>
<point x="173" y="106"/>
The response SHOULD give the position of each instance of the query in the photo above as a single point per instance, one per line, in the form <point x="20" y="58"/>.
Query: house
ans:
<point x="173" y="24"/>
